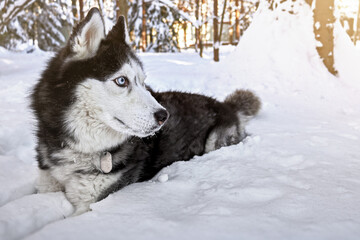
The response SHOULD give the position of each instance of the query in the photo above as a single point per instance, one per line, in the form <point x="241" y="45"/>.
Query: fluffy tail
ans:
<point x="245" y="102"/>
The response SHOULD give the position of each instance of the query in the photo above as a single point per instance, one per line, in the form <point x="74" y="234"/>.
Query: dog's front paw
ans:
<point x="47" y="183"/>
<point x="80" y="210"/>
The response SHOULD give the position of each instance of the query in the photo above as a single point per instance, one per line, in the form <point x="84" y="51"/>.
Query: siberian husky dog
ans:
<point x="101" y="128"/>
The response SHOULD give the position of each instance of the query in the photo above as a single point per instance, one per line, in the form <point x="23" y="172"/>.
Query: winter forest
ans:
<point x="294" y="175"/>
<point x="161" y="26"/>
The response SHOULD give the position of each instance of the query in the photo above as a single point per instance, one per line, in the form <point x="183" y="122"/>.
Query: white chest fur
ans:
<point x="79" y="175"/>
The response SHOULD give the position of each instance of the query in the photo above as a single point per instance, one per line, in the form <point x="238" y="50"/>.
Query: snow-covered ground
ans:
<point x="296" y="177"/>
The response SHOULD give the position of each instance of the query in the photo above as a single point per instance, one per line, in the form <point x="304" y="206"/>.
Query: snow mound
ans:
<point x="278" y="52"/>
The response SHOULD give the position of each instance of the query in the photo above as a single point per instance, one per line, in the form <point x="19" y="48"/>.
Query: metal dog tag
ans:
<point x="106" y="162"/>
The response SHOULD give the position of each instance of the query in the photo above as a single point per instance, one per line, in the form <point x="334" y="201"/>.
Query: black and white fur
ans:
<point x="83" y="114"/>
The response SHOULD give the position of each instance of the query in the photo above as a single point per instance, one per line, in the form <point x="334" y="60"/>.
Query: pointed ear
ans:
<point x="87" y="35"/>
<point x="119" y="32"/>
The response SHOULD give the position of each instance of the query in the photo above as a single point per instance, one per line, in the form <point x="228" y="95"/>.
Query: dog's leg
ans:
<point x="84" y="189"/>
<point x="245" y="105"/>
<point x="47" y="183"/>
<point x="224" y="136"/>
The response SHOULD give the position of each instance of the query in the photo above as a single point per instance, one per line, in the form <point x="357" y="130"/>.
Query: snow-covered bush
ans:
<point x="160" y="19"/>
<point x="40" y="23"/>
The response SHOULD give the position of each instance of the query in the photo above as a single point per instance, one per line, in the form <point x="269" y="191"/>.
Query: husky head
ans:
<point x="110" y="101"/>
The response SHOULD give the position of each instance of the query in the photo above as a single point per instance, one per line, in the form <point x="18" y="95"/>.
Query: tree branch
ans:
<point x="13" y="13"/>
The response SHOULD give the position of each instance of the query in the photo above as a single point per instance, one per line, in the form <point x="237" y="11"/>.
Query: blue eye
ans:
<point x="121" y="81"/>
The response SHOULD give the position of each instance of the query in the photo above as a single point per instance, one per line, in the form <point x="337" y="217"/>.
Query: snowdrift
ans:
<point x="278" y="52"/>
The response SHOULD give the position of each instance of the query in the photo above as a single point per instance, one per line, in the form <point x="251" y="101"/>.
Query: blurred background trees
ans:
<point x="155" y="25"/>
<point x="35" y="22"/>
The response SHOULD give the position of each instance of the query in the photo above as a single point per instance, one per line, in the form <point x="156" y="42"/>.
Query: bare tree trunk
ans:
<point x="222" y="20"/>
<point x="216" y="35"/>
<point x="74" y="9"/>
<point x="357" y="27"/>
<point x="324" y="32"/>
<point x="143" y="34"/>
<point x="35" y="33"/>
<point x="201" y="45"/>
<point x="197" y="30"/>
<point x="237" y="21"/>
<point x="81" y="5"/>
<point x="177" y="37"/>
<point x="206" y="21"/>
<point x="122" y="9"/>
<point x="231" y="31"/>
<point x="242" y="11"/>
<point x="184" y="26"/>
<point x="151" y="36"/>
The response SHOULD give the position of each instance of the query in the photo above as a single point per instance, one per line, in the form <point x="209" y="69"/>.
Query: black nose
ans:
<point x="161" y="116"/>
